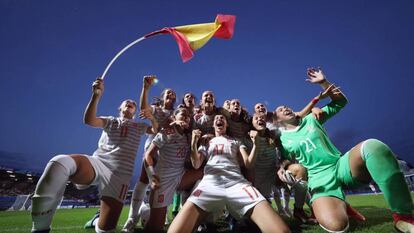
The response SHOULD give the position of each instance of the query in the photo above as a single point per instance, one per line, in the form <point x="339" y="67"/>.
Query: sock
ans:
<point x="300" y="189"/>
<point x="50" y="189"/>
<point x="384" y="170"/>
<point x="278" y="202"/>
<point x="176" y="202"/>
<point x="286" y="197"/>
<point x="136" y="200"/>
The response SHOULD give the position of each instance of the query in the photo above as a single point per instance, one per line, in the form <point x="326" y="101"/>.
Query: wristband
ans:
<point x="315" y="101"/>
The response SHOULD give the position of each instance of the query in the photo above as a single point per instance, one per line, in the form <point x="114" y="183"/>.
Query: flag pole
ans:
<point x="119" y="54"/>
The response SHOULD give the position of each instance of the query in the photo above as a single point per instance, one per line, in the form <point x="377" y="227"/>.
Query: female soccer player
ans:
<point x="224" y="185"/>
<point x="329" y="170"/>
<point x="110" y="167"/>
<point x="266" y="166"/>
<point x="204" y="120"/>
<point x="162" y="114"/>
<point x="170" y="147"/>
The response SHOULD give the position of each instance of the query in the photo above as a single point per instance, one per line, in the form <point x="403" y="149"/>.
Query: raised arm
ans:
<point x="148" y="80"/>
<point x="146" y="114"/>
<point x="249" y="159"/>
<point x="308" y="108"/>
<point x="317" y="76"/>
<point x="338" y="98"/>
<point x="89" y="117"/>
<point x="196" y="157"/>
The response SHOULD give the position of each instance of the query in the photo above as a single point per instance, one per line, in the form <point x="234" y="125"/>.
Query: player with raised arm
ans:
<point x="329" y="170"/>
<point x="162" y="114"/>
<point x="110" y="167"/>
<point x="224" y="185"/>
<point x="170" y="147"/>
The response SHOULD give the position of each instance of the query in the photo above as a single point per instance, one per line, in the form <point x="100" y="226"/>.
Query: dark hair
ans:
<point x="182" y="99"/>
<point x="163" y="94"/>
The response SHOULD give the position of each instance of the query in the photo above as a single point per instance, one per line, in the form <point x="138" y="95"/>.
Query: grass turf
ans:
<point x="72" y="220"/>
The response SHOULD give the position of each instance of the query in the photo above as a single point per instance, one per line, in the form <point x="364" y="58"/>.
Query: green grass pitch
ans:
<point x="72" y="220"/>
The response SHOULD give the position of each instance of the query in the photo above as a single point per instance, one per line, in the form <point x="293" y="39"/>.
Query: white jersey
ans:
<point x="173" y="149"/>
<point x="223" y="165"/>
<point x="161" y="115"/>
<point x="223" y="184"/>
<point x="118" y="145"/>
<point x="204" y="123"/>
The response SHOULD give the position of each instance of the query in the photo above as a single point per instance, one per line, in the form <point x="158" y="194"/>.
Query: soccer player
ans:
<point x="110" y="167"/>
<point x="204" y="120"/>
<point x="299" y="184"/>
<point x="266" y="166"/>
<point x="329" y="170"/>
<point x="162" y="113"/>
<point x="170" y="148"/>
<point x="224" y="185"/>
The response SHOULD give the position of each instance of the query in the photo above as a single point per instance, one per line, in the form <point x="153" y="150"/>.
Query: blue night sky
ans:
<point x="51" y="51"/>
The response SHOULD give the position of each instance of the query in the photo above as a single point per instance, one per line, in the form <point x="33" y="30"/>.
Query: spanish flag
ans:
<point x="192" y="37"/>
<point x="189" y="37"/>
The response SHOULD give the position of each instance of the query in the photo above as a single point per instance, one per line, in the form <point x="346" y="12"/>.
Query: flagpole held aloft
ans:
<point x="189" y="37"/>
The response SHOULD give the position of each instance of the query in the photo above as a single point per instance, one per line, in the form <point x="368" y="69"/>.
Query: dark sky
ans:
<point x="51" y="51"/>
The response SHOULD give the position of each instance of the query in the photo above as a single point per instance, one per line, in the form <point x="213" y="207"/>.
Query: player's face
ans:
<point x="235" y="107"/>
<point x="169" y="96"/>
<point x="260" y="108"/>
<point x="207" y="99"/>
<point x="226" y="105"/>
<point x="128" y="108"/>
<point x="259" y="121"/>
<point x="220" y="124"/>
<point x="189" y="100"/>
<point x="184" y="117"/>
<point x="284" y="113"/>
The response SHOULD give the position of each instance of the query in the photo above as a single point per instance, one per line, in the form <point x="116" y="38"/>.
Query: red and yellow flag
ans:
<point x="192" y="37"/>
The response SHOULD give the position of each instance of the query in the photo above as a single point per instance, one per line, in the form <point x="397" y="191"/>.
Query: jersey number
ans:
<point x="310" y="146"/>
<point x="218" y="149"/>
<point x="181" y="152"/>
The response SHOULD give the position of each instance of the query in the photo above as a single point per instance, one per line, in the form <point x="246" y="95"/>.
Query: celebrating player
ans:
<point x="162" y="114"/>
<point x="171" y="148"/>
<point x="110" y="167"/>
<point x="224" y="185"/>
<point x="329" y="170"/>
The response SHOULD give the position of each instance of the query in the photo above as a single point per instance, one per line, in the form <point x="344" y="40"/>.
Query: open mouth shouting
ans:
<point x="220" y="123"/>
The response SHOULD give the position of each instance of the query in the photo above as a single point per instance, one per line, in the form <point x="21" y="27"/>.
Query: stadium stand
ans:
<point x="16" y="187"/>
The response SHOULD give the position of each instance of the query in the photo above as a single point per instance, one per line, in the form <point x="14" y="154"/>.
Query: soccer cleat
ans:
<point x="403" y="223"/>
<point x="129" y="226"/>
<point x="354" y="214"/>
<point x="302" y="217"/>
<point x="91" y="223"/>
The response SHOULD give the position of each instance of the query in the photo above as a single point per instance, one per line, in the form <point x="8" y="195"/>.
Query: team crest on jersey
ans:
<point x="310" y="128"/>
<point x="161" y="198"/>
<point x="197" y="192"/>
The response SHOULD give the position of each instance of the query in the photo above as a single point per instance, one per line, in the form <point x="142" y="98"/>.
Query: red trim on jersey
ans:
<point x="248" y="193"/>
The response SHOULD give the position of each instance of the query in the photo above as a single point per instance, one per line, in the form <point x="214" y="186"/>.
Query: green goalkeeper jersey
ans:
<point x="309" y="144"/>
